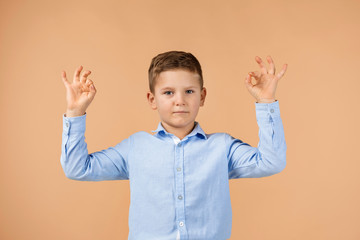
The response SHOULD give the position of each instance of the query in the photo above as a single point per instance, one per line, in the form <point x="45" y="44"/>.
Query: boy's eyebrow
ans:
<point x="166" y="88"/>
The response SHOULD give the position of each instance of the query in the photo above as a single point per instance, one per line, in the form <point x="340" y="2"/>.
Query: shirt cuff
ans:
<point x="74" y="124"/>
<point x="267" y="111"/>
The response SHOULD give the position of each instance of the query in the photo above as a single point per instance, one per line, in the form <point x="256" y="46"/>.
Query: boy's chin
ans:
<point x="180" y="124"/>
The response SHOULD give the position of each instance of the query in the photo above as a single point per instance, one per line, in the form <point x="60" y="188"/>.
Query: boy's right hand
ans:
<point x="79" y="93"/>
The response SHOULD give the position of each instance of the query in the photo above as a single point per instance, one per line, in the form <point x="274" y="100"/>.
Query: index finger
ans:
<point x="77" y="73"/>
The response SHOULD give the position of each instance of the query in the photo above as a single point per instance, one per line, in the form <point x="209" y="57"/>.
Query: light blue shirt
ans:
<point x="181" y="187"/>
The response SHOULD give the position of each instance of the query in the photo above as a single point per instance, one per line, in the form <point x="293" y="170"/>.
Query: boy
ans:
<point x="179" y="176"/>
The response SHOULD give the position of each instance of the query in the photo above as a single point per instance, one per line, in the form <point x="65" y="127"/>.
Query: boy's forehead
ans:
<point x="178" y="71"/>
<point x="177" y="76"/>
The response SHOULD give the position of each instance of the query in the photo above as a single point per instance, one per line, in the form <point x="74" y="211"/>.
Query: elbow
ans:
<point x="75" y="169"/>
<point x="274" y="165"/>
<point x="279" y="161"/>
<point x="279" y="166"/>
<point x="73" y="174"/>
<point x="79" y="175"/>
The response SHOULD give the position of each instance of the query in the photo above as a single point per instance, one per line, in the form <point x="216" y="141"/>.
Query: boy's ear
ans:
<point x="202" y="97"/>
<point x="151" y="100"/>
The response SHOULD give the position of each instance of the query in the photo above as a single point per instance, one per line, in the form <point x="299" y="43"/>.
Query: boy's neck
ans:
<point x="179" y="132"/>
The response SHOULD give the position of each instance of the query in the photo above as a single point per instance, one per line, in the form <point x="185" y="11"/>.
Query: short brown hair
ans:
<point x="173" y="60"/>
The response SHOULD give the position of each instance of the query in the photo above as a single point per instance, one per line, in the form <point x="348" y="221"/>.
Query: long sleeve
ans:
<point x="108" y="164"/>
<point x="270" y="156"/>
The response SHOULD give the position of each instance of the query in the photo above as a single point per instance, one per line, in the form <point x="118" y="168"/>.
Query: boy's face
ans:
<point x="177" y="97"/>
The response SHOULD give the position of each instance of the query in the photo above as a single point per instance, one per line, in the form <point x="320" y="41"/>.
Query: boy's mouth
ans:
<point x="180" y="112"/>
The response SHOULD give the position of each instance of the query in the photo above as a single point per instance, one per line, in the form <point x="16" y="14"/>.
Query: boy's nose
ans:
<point x="179" y="100"/>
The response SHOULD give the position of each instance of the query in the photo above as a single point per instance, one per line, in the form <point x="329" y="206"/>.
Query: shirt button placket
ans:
<point x="179" y="179"/>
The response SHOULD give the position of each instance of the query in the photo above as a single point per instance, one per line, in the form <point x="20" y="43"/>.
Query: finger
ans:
<point x="256" y="75"/>
<point x="282" y="72"/>
<point x="84" y="76"/>
<point x="261" y="64"/>
<point x="88" y="82"/>
<point x="271" y="65"/>
<point x="77" y="74"/>
<point x="92" y="92"/>
<point x="248" y="83"/>
<point x="64" y="79"/>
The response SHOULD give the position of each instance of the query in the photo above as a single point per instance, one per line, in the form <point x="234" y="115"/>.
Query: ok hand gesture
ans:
<point x="266" y="81"/>
<point x="79" y="93"/>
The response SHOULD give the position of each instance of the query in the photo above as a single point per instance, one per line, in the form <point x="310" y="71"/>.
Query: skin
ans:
<point x="264" y="88"/>
<point x="177" y="97"/>
<point x="177" y="94"/>
<point x="79" y="93"/>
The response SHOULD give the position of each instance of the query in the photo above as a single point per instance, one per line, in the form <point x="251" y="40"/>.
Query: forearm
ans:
<point x="272" y="146"/>
<point x="74" y="153"/>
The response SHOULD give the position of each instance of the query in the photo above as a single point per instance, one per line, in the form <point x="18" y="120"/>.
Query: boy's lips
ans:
<point x="180" y="112"/>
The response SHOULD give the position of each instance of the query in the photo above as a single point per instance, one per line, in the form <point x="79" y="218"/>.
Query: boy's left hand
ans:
<point x="266" y="81"/>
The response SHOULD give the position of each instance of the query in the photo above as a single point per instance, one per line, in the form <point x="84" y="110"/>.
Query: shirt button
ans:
<point x="180" y="197"/>
<point x="178" y="169"/>
<point x="181" y="224"/>
<point x="179" y="144"/>
<point x="272" y="110"/>
<point x="67" y="124"/>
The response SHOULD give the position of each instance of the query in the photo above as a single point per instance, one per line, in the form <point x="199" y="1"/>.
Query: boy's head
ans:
<point x="176" y="90"/>
<point x="173" y="60"/>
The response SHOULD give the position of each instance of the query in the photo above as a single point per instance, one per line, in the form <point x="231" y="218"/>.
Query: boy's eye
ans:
<point x="168" y="92"/>
<point x="189" y="91"/>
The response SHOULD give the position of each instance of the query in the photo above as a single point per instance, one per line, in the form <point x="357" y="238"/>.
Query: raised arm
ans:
<point x="108" y="164"/>
<point x="269" y="157"/>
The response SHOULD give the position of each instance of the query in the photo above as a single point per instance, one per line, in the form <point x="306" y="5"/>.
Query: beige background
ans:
<point x="315" y="197"/>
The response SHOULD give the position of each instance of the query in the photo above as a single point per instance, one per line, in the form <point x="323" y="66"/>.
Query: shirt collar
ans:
<point x="197" y="131"/>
